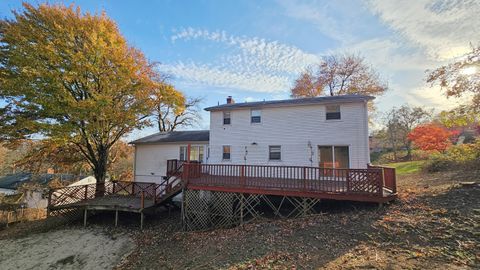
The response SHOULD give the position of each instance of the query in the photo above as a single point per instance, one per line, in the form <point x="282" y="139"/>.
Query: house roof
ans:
<point x="293" y="102"/>
<point x="175" y="136"/>
<point x="13" y="181"/>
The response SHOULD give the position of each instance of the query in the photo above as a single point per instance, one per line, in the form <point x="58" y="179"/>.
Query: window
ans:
<point x="333" y="112"/>
<point x="183" y="153"/>
<point x="274" y="152"/>
<point x="226" y="118"/>
<point x="196" y="153"/>
<point x="226" y="152"/>
<point x="256" y="116"/>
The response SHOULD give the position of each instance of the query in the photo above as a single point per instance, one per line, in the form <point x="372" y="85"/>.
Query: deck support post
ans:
<point x="116" y="218"/>
<point x="182" y="210"/>
<point x="141" y="220"/>
<point x="241" y="208"/>
<point x="85" y="213"/>
<point x="304" y="207"/>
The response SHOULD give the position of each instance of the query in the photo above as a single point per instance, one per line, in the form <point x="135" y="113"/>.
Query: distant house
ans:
<point x="33" y="187"/>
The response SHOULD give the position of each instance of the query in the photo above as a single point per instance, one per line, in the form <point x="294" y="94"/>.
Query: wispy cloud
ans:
<point x="252" y="63"/>
<point x="204" y="74"/>
<point x="443" y="28"/>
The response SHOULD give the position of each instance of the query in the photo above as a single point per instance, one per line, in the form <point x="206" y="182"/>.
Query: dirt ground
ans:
<point x="434" y="224"/>
<point x="72" y="248"/>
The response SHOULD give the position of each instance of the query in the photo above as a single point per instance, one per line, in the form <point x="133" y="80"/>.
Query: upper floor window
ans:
<point x="256" y="116"/>
<point x="274" y="152"/>
<point x="226" y="118"/>
<point x="333" y="112"/>
<point x="226" y="152"/>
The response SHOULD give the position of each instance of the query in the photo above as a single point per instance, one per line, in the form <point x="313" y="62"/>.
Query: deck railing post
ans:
<point x="242" y="176"/>
<point x="305" y="178"/>
<point x="113" y="187"/>
<point x="348" y="180"/>
<point x="381" y="182"/>
<point x="186" y="168"/>
<point x="86" y="192"/>
<point x="394" y="178"/>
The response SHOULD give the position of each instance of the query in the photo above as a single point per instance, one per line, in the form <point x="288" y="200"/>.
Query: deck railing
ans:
<point x="74" y="194"/>
<point x="289" y="178"/>
<point x="175" y="168"/>
<point x="389" y="177"/>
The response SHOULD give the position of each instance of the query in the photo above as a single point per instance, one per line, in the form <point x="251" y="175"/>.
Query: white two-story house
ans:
<point x="329" y="132"/>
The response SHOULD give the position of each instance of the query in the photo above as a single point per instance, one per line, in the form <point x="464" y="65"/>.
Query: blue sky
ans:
<point x="253" y="50"/>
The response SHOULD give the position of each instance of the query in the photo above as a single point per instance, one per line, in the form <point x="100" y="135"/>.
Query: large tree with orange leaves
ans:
<point x="431" y="137"/>
<point x="460" y="78"/>
<point x="339" y="75"/>
<point x="72" y="79"/>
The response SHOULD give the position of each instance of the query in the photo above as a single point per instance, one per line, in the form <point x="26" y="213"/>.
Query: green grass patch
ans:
<point x="406" y="167"/>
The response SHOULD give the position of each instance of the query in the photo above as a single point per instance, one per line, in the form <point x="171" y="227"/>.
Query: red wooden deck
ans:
<point x="374" y="184"/>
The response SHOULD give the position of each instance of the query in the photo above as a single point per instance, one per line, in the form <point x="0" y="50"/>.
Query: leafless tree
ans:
<point x="171" y="116"/>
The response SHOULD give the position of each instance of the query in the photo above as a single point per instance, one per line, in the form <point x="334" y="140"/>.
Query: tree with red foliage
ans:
<point x="431" y="137"/>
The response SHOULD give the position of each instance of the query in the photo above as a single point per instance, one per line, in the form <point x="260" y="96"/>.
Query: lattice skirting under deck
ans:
<point x="204" y="210"/>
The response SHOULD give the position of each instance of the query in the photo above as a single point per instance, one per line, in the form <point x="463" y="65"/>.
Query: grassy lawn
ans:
<point x="407" y="167"/>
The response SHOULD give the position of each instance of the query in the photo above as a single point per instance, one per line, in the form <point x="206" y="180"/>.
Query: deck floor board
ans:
<point x="110" y="202"/>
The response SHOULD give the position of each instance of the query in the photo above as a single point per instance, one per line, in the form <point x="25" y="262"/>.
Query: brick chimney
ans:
<point x="230" y="100"/>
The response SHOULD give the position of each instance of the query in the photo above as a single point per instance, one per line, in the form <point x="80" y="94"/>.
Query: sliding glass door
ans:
<point x="331" y="156"/>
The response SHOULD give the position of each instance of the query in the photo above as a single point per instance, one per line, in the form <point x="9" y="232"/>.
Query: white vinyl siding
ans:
<point x="299" y="130"/>
<point x="151" y="159"/>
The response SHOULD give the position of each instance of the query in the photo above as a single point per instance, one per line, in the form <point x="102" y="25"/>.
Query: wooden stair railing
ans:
<point x="169" y="189"/>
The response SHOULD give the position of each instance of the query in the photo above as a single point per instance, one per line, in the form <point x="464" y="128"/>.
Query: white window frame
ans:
<point x="339" y="113"/>
<point x="184" y="148"/>
<point x="251" y="116"/>
<point x="229" y="154"/>
<point x="333" y="153"/>
<point x="229" y="117"/>
<point x="269" y="152"/>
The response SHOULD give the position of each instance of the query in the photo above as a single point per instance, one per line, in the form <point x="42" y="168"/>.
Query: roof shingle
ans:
<point x="292" y="102"/>
<point x="175" y="136"/>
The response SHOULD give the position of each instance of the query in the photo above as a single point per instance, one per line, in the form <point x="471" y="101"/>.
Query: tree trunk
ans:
<point x="100" y="172"/>
<point x="409" y="151"/>
<point x="393" y="144"/>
